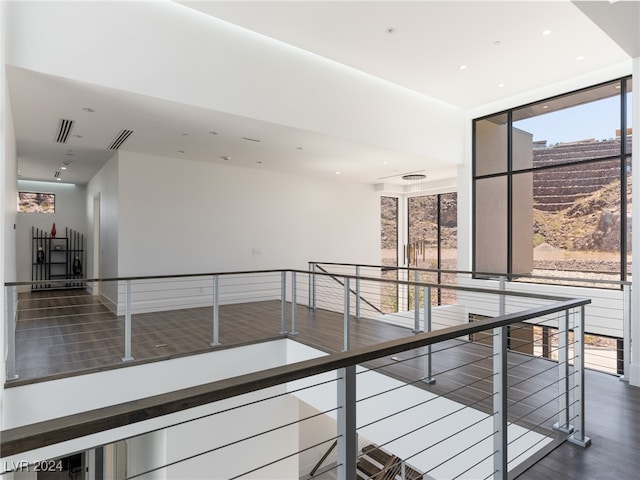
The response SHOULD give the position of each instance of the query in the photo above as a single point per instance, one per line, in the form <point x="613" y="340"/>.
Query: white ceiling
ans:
<point x="419" y="45"/>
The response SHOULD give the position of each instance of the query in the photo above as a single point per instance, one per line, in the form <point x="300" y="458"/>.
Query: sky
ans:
<point x="569" y="124"/>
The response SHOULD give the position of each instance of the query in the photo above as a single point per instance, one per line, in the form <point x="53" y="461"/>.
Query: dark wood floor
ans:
<point x="69" y="332"/>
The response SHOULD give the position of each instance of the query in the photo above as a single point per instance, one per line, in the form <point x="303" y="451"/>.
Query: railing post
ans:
<point x="500" y="403"/>
<point x="578" y="436"/>
<point x="216" y="315"/>
<point x="293" y="304"/>
<point x="312" y="287"/>
<point x="416" y="302"/>
<point x="357" y="292"/>
<point x="12" y="317"/>
<point x="563" y="424"/>
<point x="347" y="307"/>
<point x="503" y="298"/>
<point x="346" y="423"/>
<point x="283" y="303"/>
<point x="127" y="321"/>
<point x="626" y="330"/>
<point x="428" y="376"/>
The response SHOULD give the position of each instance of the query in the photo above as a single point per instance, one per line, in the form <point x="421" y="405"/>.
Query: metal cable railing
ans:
<point x="608" y="341"/>
<point x="440" y="395"/>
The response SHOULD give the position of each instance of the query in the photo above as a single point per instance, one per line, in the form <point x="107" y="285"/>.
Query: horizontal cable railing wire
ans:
<point x="365" y="353"/>
<point x="607" y="328"/>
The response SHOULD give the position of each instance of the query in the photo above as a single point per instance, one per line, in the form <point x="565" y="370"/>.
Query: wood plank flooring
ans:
<point x="70" y="332"/>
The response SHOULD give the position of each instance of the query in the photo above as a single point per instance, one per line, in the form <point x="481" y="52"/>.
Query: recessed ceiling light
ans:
<point x="580" y="57"/>
<point x="299" y="148"/>
<point x="249" y="139"/>
<point x="70" y="154"/>
<point x="390" y="30"/>
<point x="225" y="157"/>
<point x="384" y="163"/>
<point x="337" y="173"/>
<point x="545" y="106"/>
<point x="500" y="85"/>
<point x="77" y="136"/>
<point x="497" y="42"/>
<point x="184" y="134"/>
<point x="211" y="132"/>
<point x="63" y="168"/>
<point x="546" y="32"/>
<point x="259" y="162"/>
<point x="181" y="151"/>
<point x="89" y="110"/>
<point x="59" y="179"/>
<point x="463" y="67"/>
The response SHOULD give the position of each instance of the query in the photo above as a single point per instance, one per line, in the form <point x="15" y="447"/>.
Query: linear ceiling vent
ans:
<point x="57" y="174"/>
<point x="120" y="139"/>
<point x="64" y="129"/>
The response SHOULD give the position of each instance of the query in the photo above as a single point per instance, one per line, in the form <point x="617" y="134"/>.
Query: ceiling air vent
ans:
<point x="57" y="174"/>
<point x="64" y="129"/>
<point x="120" y="139"/>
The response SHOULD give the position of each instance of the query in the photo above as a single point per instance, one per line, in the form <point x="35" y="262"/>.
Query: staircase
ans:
<point x="377" y="464"/>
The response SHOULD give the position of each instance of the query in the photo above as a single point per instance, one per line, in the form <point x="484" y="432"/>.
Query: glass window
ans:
<point x="491" y="225"/>
<point x="432" y="225"/>
<point x="389" y="252"/>
<point x="577" y="218"/>
<point x="581" y="126"/>
<point x="34" y="202"/>
<point x="491" y="145"/>
<point x="563" y="204"/>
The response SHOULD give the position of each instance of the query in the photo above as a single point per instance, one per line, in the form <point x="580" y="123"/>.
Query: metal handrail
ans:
<point x="324" y="457"/>
<point x="481" y="274"/>
<point x="29" y="437"/>
<point x="306" y="272"/>
<point x="333" y="276"/>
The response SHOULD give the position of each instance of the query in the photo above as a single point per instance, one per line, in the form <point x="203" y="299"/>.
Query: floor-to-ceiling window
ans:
<point x="552" y="192"/>
<point x="433" y="242"/>
<point x="552" y="186"/>
<point x="389" y="252"/>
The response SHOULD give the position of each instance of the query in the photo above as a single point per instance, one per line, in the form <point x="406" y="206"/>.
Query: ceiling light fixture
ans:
<point x="180" y="151"/>
<point x="500" y="85"/>
<point x="463" y="67"/>
<point x="212" y="132"/>
<point x="580" y="57"/>
<point x="88" y="110"/>
<point x="225" y="157"/>
<point x="414" y="176"/>
<point x="546" y="32"/>
<point x="251" y="139"/>
<point x="390" y="30"/>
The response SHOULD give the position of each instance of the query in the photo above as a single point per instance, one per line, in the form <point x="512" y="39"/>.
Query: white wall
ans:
<point x="104" y="184"/>
<point x="70" y="213"/>
<point x="8" y="162"/>
<point x="180" y="216"/>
